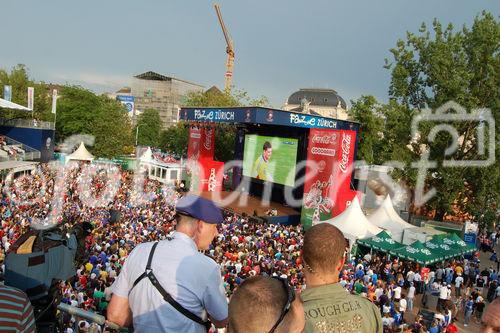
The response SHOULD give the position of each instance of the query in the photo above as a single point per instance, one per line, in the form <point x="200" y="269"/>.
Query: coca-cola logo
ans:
<point x="324" y="139"/>
<point x="346" y="148"/>
<point x="208" y="139"/>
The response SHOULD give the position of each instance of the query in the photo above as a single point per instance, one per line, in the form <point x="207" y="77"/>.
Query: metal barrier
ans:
<point x="30" y="123"/>
<point x="95" y="318"/>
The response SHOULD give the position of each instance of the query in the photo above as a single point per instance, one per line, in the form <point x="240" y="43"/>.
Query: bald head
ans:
<point x="490" y="322"/>
<point x="324" y="247"/>
<point x="257" y="304"/>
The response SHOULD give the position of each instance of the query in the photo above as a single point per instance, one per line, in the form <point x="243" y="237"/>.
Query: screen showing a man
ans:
<point x="260" y="167"/>
<point x="270" y="158"/>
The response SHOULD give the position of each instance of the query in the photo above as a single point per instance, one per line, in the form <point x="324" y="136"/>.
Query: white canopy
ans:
<point x="353" y="223"/>
<point x="81" y="154"/>
<point x="387" y="218"/>
<point x="147" y="156"/>
<point x="10" y="105"/>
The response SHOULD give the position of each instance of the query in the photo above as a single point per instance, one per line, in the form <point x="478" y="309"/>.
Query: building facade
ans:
<point x="163" y="93"/>
<point x="319" y="102"/>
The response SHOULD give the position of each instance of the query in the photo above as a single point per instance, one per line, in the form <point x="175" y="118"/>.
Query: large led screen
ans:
<point x="271" y="159"/>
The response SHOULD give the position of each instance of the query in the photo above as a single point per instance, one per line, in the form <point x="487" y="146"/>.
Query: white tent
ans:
<point x="353" y="223"/>
<point x="10" y="105"/>
<point x="81" y="154"/>
<point x="387" y="218"/>
<point x="147" y="156"/>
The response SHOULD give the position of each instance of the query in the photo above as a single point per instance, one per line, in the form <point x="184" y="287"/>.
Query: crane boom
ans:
<point x="229" y="51"/>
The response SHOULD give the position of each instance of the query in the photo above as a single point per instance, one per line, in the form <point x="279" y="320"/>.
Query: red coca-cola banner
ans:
<point x="213" y="173"/>
<point x="328" y="174"/>
<point x="342" y="191"/>
<point x="194" y="140"/>
<point x="207" y="147"/>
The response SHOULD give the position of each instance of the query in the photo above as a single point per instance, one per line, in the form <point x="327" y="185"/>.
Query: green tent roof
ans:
<point x="381" y="241"/>
<point x="437" y="245"/>
<point x="450" y="245"/>
<point x="418" y="253"/>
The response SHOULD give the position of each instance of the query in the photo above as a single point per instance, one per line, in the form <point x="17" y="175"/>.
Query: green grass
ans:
<point x="283" y="159"/>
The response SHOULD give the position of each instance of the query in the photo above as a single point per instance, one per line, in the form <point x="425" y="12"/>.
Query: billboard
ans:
<point x="207" y="147"/>
<point x="271" y="159"/>
<point x="327" y="192"/>
<point x="194" y="139"/>
<point x="31" y="98"/>
<point x="128" y="101"/>
<point x="7" y="93"/>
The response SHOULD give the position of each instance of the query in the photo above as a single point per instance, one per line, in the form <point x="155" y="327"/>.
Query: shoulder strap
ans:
<point x="148" y="267"/>
<point x="166" y="296"/>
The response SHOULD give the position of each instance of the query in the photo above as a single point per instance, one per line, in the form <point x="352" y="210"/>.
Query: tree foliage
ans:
<point x="80" y="111"/>
<point x="367" y="111"/>
<point x="149" y="124"/>
<point x="428" y="70"/>
<point x="175" y="138"/>
<point x="19" y="79"/>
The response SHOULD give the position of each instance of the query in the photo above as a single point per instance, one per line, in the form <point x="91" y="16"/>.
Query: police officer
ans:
<point x="327" y="306"/>
<point x="177" y="288"/>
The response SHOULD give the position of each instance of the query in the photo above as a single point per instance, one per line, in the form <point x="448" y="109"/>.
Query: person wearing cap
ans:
<point x="192" y="279"/>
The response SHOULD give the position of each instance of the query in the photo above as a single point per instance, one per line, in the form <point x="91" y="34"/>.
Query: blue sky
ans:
<point x="281" y="46"/>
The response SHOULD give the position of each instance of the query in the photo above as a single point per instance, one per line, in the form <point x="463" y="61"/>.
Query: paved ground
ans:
<point x="473" y="326"/>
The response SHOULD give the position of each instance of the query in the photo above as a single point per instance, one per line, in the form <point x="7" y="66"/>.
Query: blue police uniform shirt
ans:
<point x="193" y="279"/>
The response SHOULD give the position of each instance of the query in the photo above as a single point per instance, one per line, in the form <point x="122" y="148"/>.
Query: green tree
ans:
<point x="112" y="129"/>
<point x="19" y="79"/>
<point x="175" y="138"/>
<point x="80" y="111"/>
<point x="429" y="69"/>
<point x="367" y="111"/>
<point x="148" y="128"/>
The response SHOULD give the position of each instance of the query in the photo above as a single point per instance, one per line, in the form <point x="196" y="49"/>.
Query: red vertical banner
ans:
<point x="207" y="147"/>
<point x="342" y="193"/>
<point x="194" y="140"/>
<point x="212" y="176"/>
<point x="322" y="154"/>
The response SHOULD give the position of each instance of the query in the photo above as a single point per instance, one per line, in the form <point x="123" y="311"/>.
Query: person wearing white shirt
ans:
<point x="458" y="285"/>
<point x="417" y="279"/>
<point x="444" y="293"/>
<point x="397" y="293"/>
<point x="379" y="292"/>
<point x="402" y="306"/>
<point x="410" y="296"/>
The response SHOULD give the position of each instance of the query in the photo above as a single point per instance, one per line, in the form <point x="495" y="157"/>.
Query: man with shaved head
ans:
<point x="327" y="305"/>
<point x="265" y="305"/>
<point x="490" y="322"/>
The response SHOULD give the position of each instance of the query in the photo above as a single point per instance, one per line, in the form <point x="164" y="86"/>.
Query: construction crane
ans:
<point x="229" y="51"/>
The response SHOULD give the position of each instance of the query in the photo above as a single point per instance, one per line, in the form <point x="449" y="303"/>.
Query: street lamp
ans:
<point x="137" y="133"/>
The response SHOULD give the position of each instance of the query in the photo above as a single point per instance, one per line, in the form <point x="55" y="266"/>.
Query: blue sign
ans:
<point x="470" y="238"/>
<point x="7" y="93"/>
<point x="128" y="101"/>
<point x="265" y="116"/>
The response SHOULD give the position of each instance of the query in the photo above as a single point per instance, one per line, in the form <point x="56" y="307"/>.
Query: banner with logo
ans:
<point x="54" y="100"/>
<point x="207" y="147"/>
<point x="128" y="101"/>
<point x="212" y="176"/>
<point x="194" y="139"/>
<point x="342" y="191"/>
<point x="322" y="151"/>
<point x="327" y="192"/>
<point x="31" y="97"/>
<point x="7" y="93"/>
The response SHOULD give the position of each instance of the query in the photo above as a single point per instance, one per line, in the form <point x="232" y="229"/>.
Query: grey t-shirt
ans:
<point x="193" y="279"/>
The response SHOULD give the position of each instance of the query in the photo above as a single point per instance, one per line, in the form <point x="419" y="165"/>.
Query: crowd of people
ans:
<point x="244" y="247"/>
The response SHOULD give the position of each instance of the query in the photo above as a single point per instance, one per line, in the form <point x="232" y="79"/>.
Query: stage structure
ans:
<point x="277" y="149"/>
